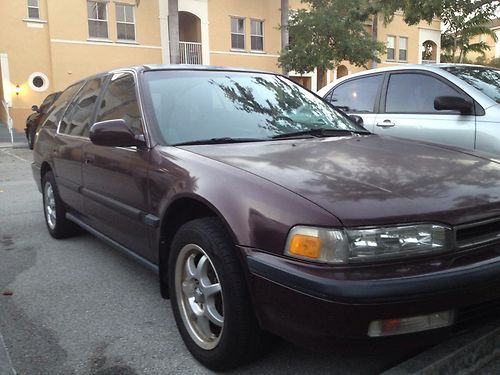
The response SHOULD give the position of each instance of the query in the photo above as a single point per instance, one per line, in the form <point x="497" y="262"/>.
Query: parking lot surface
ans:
<point x="77" y="306"/>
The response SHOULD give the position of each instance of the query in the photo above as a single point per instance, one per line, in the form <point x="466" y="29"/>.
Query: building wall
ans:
<point x="220" y="13"/>
<point x="493" y="52"/>
<point x="58" y="45"/>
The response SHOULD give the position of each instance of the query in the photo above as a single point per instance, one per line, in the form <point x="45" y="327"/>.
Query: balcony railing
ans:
<point x="190" y="53"/>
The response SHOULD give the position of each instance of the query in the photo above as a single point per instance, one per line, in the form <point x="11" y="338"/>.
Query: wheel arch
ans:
<point x="44" y="168"/>
<point x="181" y="210"/>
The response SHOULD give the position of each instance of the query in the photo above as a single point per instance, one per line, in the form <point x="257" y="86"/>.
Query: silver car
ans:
<point x="450" y="104"/>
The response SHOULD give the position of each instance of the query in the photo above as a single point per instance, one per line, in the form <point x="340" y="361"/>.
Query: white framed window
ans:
<point x="403" y="48"/>
<point x="391" y="45"/>
<point x="237" y="33"/>
<point x="98" y="19"/>
<point x="125" y="21"/>
<point x="257" y="35"/>
<point x="34" y="9"/>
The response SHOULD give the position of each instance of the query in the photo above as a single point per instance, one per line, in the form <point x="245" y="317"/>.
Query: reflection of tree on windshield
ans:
<point x="286" y="109"/>
<point x="485" y="80"/>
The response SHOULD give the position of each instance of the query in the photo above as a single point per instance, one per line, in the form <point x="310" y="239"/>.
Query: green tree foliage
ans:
<point x="466" y="20"/>
<point x="329" y="32"/>
<point x="332" y="31"/>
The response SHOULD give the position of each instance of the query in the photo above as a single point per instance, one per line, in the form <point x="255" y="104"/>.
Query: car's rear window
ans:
<point x="198" y="105"/>
<point x="486" y="80"/>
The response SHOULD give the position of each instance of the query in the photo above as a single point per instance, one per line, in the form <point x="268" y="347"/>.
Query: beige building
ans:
<point x="48" y="44"/>
<point x="494" y="51"/>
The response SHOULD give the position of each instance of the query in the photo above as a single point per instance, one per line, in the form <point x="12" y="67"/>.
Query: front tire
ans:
<point x="209" y="297"/>
<point x="54" y="210"/>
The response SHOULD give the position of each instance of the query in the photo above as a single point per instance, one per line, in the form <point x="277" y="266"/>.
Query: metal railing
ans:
<point x="190" y="53"/>
<point x="10" y="123"/>
<point x="428" y="61"/>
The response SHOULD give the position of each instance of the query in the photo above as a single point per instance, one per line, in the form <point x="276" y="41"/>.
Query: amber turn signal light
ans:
<point x="306" y="246"/>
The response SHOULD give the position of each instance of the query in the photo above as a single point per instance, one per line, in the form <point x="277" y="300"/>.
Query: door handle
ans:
<point x="386" y="124"/>
<point x="89" y="159"/>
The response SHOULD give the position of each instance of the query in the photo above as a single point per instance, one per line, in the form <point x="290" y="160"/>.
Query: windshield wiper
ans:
<point x="319" y="132"/>
<point x="212" y="141"/>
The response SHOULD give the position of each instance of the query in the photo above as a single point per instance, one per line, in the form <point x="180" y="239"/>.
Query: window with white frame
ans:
<point x="257" y="35"/>
<point x="391" y="45"/>
<point x="34" y="9"/>
<point x="98" y="19"/>
<point x="125" y="21"/>
<point x="237" y="33"/>
<point x="403" y="48"/>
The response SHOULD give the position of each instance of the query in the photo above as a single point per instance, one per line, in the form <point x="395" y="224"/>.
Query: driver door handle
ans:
<point x="386" y="124"/>
<point x="89" y="159"/>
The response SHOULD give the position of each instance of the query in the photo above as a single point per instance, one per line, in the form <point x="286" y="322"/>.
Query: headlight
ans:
<point x="340" y="246"/>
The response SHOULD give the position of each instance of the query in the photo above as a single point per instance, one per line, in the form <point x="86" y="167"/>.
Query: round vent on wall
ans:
<point x="38" y="82"/>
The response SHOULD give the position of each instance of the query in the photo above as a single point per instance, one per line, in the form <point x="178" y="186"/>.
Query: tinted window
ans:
<point x="60" y="104"/>
<point x="358" y="95"/>
<point x="120" y="102"/>
<point x="76" y="120"/>
<point x="486" y="80"/>
<point x="415" y="93"/>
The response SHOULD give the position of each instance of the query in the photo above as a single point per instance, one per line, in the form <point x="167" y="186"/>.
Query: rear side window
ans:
<point x="415" y="93"/>
<point x="357" y="95"/>
<point x="56" y="110"/>
<point x="120" y="102"/>
<point x="76" y="120"/>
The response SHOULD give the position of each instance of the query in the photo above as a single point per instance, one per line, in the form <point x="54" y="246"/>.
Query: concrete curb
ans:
<point x="5" y="362"/>
<point x="460" y="355"/>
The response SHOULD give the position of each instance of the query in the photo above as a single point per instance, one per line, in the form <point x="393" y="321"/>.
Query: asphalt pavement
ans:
<point x="76" y="306"/>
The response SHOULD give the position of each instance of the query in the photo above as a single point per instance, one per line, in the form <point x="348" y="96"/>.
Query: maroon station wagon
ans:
<point x="263" y="209"/>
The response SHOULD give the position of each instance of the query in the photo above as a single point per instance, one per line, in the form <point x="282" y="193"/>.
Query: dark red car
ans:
<point x="37" y="117"/>
<point x="263" y="209"/>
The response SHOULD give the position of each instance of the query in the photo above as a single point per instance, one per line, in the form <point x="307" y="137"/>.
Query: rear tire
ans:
<point x="209" y="297"/>
<point x="54" y="210"/>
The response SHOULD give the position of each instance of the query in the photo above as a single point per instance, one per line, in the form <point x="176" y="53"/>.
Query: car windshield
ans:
<point x="198" y="106"/>
<point x="486" y="80"/>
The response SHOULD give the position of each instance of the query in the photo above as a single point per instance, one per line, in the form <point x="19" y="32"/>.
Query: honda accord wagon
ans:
<point x="266" y="211"/>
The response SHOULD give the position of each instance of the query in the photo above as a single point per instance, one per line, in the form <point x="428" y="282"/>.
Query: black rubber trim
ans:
<point x="122" y="208"/>
<point x="283" y="273"/>
<point x="124" y="250"/>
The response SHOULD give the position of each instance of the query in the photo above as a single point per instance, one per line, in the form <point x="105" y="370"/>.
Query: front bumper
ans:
<point x="312" y="305"/>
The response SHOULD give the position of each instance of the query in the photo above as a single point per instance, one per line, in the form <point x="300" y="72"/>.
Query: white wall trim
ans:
<point x="6" y="84"/>
<point x="260" y="54"/>
<point x="126" y="45"/>
<point x="165" y="40"/>
<point x="200" y="9"/>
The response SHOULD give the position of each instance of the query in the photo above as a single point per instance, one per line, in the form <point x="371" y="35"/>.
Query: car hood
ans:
<point x="369" y="180"/>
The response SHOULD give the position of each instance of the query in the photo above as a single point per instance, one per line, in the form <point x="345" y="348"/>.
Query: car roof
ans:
<point x="158" y="67"/>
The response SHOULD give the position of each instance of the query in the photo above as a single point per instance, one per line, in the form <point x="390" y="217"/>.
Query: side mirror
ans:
<point x="35" y="108"/>
<point x="457" y="103"/>
<point x="114" y="133"/>
<point x="356" y="119"/>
